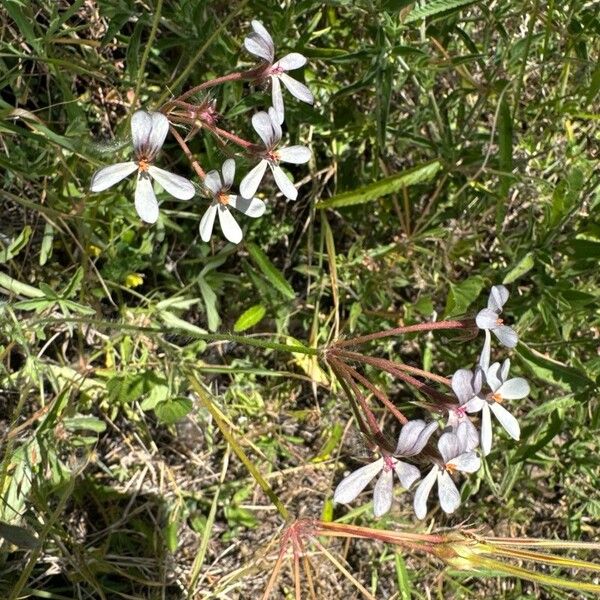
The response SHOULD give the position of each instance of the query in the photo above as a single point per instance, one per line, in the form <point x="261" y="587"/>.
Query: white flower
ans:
<point x="502" y="389"/>
<point x="466" y="386"/>
<point x="260" y="43"/>
<point x="148" y="133"/>
<point x="269" y="130"/>
<point x="489" y="318"/>
<point x="455" y="457"/>
<point x="413" y="438"/>
<point x="221" y="202"/>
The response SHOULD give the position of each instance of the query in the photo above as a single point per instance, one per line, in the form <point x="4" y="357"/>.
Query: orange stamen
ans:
<point x="497" y="398"/>
<point x="223" y="199"/>
<point x="143" y="165"/>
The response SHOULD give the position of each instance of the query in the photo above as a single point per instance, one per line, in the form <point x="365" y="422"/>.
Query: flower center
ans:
<point x="388" y="463"/>
<point x="272" y="156"/>
<point x="276" y="71"/>
<point x="143" y="164"/>
<point x="460" y="411"/>
<point x="499" y="321"/>
<point x="223" y="198"/>
<point x="496" y="397"/>
<point x="450" y="468"/>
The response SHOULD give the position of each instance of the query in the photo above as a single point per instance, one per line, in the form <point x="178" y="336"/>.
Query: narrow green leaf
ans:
<point x="16" y="245"/>
<point x="383" y="187"/>
<point x="270" y="271"/>
<point x="249" y="318"/>
<point x="523" y="266"/>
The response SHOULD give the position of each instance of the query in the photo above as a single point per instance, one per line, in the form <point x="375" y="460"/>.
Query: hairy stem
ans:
<point x="186" y="150"/>
<point x="458" y="324"/>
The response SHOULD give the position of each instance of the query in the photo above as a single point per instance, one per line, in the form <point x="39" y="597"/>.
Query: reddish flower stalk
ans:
<point x="186" y="150"/>
<point x="341" y="371"/>
<point x="409" y="369"/>
<point x="236" y="76"/>
<point x="230" y="136"/>
<point x="379" y="394"/>
<point x="392" y="369"/>
<point x="457" y="324"/>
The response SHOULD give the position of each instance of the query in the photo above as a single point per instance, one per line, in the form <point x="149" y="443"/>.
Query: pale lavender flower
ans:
<point x="502" y="388"/>
<point x="260" y="43"/>
<point x="148" y="133"/>
<point x="269" y="130"/>
<point x="413" y="438"/>
<point x="222" y="200"/>
<point x="489" y="318"/>
<point x="466" y="386"/>
<point x="453" y="448"/>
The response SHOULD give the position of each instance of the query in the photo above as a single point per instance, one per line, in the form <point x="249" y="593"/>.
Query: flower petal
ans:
<point x="506" y="335"/>
<point x="486" y="429"/>
<point x="492" y="376"/>
<point x="297" y="155"/>
<point x="448" y="446"/>
<point x="297" y="89"/>
<point x="487" y="319"/>
<point x="383" y="493"/>
<point x="474" y="404"/>
<point x="277" y="98"/>
<point x="257" y="46"/>
<point x="422" y="493"/>
<point x="510" y="424"/>
<point x="284" y="183"/>
<point x="253" y="207"/>
<point x="462" y="385"/>
<point x="207" y="222"/>
<point x="212" y="181"/>
<point x="252" y="179"/>
<point x="260" y="30"/>
<point x="350" y="487"/>
<point x="505" y="369"/>
<point x="261" y="121"/>
<point x="471" y="440"/>
<point x="160" y="128"/>
<point x="228" y="170"/>
<point x="145" y="199"/>
<point x="276" y="124"/>
<point x="447" y="493"/>
<point x="423" y="438"/>
<point x="176" y="185"/>
<point x="468" y="462"/>
<point x="231" y="230"/>
<point x="141" y="128"/>
<point x="291" y="61"/>
<point x="514" y="389"/>
<point x="484" y="358"/>
<point x="108" y="176"/>
<point x="498" y="297"/>
<point x="407" y="474"/>
<point x="408" y="437"/>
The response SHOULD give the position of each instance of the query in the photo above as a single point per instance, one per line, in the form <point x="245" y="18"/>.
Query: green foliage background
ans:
<point x="455" y="147"/>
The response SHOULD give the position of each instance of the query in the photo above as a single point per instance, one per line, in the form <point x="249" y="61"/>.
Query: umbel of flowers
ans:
<point x="464" y="438"/>
<point x="149" y="131"/>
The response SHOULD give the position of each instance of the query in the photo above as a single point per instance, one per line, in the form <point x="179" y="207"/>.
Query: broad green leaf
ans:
<point x="270" y="271"/>
<point x="249" y="318"/>
<point x="462" y="295"/>
<point x="18" y="536"/>
<point x="173" y="410"/>
<point x="383" y="187"/>
<point x="433" y="8"/>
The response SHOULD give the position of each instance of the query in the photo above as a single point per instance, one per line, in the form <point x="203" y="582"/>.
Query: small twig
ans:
<point x="186" y="150"/>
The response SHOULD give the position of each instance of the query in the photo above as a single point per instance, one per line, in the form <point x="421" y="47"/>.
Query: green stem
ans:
<point x="216" y="414"/>
<point x="149" y="43"/>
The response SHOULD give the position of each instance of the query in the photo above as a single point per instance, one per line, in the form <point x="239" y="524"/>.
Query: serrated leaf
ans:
<point x="249" y="318"/>
<point x="435" y="7"/>
<point x="462" y="295"/>
<point x="383" y="187"/>
<point x="270" y="271"/>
